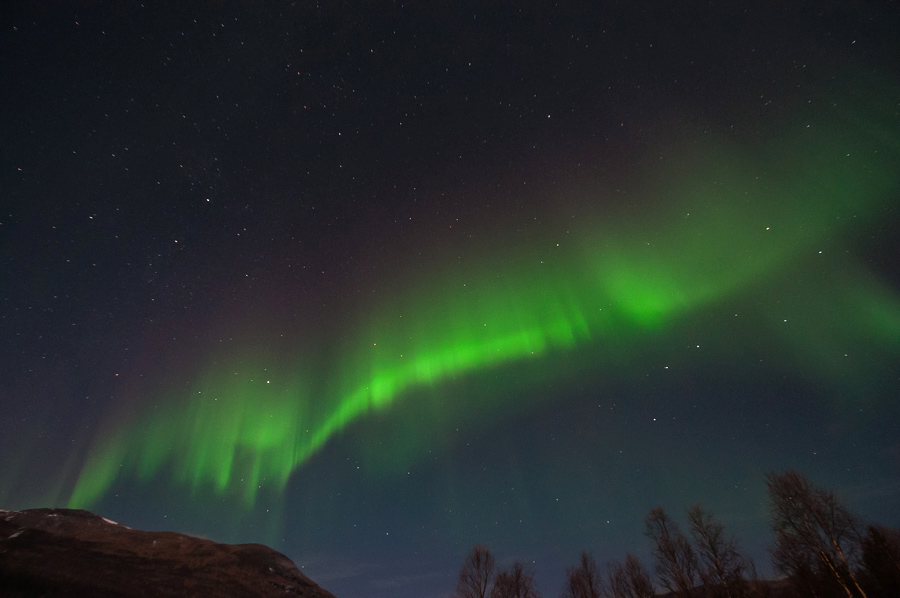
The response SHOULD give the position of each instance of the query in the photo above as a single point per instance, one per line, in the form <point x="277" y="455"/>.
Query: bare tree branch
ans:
<point x="515" y="583"/>
<point x="630" y="580"/>
<point x="722" y="567"/>
<point x="881" y="557"/>
<point x="583" y="580"/>
<point x="813" y="531"/>
<point x="676" y="563"/>
<point x="476" y="574"/>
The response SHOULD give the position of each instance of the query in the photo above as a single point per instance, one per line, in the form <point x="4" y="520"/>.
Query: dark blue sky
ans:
<point x="197" y="199"/>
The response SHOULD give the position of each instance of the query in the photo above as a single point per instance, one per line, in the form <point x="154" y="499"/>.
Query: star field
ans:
<point x="373" y="284"/>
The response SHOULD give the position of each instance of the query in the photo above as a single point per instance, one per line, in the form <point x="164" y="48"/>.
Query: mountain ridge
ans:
<point x="73" y="552"/>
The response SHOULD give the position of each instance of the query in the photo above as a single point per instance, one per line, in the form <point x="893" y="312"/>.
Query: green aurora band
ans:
<point x="770" y="224"/>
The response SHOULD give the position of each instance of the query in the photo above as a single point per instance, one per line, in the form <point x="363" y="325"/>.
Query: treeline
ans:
<point x="820" y="550"/>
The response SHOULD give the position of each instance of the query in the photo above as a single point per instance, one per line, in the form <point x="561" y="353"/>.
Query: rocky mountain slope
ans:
<point x="64" y="552"/>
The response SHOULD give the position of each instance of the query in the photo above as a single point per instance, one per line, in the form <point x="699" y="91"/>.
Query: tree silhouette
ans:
<point x="676" y="563"/>
<point x="722" y="567"/>
<point x="476" y="574"/>
<point x="881" y="558"/>
<point x="515" y="583"/>
<point x="757" y="587"/>
<point x="815" y="535"/>
<point x="630" y="580"/>
<point x="583" y="580"/>
<point x="818" y="545"/>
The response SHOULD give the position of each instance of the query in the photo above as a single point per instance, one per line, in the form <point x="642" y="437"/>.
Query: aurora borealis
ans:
<point x="237" y="431"/>
<point x="289" y="280"/>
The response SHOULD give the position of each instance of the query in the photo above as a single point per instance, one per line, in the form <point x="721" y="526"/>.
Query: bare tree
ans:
<point x="881" y="557"/>
<point x="756" y="586"/>
<point x="813" y="531"/>
<point x="476" y="574"/>
<point x="676" y="563"/>
<point x="583" y="580"/>
<point x="638" y="579"/>
<point x="800" y="566"/>
<point x="617" y="581"/>
<point x="630" y="580"/>
<point x="515" y="583"/>
<point x="722" y="567"/>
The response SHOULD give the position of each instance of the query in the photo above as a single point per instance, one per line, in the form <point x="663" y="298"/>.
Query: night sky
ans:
<point x="372" y="282"/>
